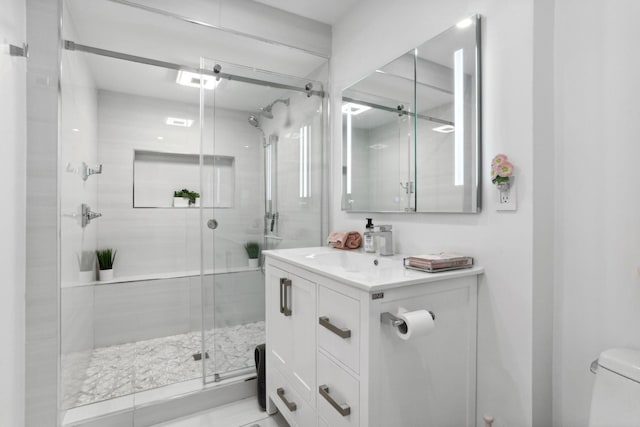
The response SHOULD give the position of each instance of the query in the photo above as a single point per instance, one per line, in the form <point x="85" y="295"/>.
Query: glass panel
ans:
<point x="377" y="140"/>
<point x="275" y="136"/>
<point x="137" y="331"/>
<point x="168" y="168"/>
<point x="447" y="135"/>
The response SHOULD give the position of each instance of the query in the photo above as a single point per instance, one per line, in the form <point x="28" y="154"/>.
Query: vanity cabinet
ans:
<point x="332" y="361"/>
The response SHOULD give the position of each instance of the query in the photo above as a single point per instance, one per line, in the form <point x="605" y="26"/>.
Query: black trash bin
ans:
<point x="259" y="356"/>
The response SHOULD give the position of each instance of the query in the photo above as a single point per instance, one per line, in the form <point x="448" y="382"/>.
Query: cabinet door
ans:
<point x="291" y="330"/>
<point x="278" y="325"/>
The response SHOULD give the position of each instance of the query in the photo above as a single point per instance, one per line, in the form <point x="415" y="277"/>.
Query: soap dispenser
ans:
<point x="369" y="237"/>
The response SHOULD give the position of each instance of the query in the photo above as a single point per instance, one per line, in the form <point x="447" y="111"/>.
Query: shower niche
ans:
<point x="156" y="175"/>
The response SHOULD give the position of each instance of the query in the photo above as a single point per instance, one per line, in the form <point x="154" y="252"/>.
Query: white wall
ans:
<point x="12" y="214"/>
<point x="597" y="223"/>
<point x="372" y="34"/>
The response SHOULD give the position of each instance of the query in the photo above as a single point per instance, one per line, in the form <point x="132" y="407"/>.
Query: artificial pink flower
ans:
<point x="494" y="172"/>
<point x="498" y="160"/>
<point x="505" y="169"/>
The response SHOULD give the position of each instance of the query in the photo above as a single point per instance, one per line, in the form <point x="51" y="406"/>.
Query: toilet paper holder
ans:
<point x="396" y="322"/>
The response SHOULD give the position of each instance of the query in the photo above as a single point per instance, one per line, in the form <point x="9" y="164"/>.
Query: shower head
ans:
<point x="253" y="121"/>
<point x="266" y="111"/>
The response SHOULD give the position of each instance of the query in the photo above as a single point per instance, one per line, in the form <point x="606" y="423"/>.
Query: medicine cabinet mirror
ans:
<point x="411" y="129"/>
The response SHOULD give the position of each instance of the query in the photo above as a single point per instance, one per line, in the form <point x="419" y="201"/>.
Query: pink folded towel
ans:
<point x="345" y="240"/>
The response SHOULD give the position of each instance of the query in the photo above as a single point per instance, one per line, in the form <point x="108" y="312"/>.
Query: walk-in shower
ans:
<point x="185" y="186"/>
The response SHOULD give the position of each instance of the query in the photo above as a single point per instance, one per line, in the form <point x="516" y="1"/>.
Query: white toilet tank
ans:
<point x="616" y="392"/>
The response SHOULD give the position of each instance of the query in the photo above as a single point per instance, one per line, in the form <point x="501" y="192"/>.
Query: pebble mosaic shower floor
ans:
<point x="118" y="370"/>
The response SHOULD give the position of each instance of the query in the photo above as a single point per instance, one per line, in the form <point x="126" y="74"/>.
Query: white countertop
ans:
<point x="358" y="269"/>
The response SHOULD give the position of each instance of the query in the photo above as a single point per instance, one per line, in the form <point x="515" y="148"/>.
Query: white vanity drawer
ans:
<point x="338" y="394"/>
<point x="295" y="410"/>
<point x="339" y="326"/>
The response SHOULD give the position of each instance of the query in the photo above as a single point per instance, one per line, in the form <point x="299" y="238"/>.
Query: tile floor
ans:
<point x="243" y="413"/>
<point x="118" y="370"/>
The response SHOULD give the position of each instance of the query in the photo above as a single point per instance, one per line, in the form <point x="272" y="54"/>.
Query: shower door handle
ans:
<point x="284" y="284"/>
<point x="212" y="224"/>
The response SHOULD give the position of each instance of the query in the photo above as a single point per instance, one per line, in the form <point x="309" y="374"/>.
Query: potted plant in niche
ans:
<point x="87" y="265"/>
<point x="181" y="199"/>
<point x="194" y="199"/>
<point x="185" y="198"/>
<point x="253" y="252"/>
<point x="106" y="258"/>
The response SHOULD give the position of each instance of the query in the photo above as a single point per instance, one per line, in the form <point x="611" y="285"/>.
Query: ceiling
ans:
<point x="327" y="11"/>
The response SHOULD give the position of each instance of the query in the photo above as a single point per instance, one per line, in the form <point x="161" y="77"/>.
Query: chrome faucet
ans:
<point x="385" y="240"/>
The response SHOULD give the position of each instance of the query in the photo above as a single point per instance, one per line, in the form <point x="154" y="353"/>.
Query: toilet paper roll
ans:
<point x="418" y="323"/>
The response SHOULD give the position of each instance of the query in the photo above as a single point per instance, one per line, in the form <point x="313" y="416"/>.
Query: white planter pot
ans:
<point x="106" y="275"/>
<point x="197" y="203"/>
<point x="180" y="202"/>
<point x="253" y="262"/>
<point x="85" y="276"/>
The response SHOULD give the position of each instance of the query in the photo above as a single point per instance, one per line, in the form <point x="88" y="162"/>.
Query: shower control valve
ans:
<point x="86" y="215"/>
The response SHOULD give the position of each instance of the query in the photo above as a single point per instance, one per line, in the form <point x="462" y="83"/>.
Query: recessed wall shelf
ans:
<point x="156" y="175"/>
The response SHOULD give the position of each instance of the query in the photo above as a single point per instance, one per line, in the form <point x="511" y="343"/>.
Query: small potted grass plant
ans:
<point x="106" y="258"/>
<point x="253" y="252"/>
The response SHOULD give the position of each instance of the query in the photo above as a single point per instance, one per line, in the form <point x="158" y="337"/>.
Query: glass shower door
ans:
<point x="263" y="132"/>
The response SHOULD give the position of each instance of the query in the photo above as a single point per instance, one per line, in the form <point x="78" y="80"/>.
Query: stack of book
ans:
<point x="434" y="263"/>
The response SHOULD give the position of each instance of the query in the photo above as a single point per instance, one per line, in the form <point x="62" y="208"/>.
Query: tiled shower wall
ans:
<point x="167" y="240"/>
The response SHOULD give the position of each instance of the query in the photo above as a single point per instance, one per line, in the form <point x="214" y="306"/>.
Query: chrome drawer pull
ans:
<point x="344" y="409"/>
<point x="291" y="406"/>
<point x="341" y="332"/>
<point x="284" y="284"/>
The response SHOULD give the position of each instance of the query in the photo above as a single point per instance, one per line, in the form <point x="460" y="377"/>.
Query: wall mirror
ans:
<point x="411" y="129"/>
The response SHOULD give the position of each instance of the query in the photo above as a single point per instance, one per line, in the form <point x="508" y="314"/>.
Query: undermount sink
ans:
<point x="352" y="261"/>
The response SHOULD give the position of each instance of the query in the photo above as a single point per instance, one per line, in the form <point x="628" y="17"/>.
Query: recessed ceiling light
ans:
<point x="188" y="78"/>
<point x="464" y="23"/>
<point x="177" y="121"/>
<point x="445" y="129"/>
<point x="354" y="109"/>
<point x="160" y="138"/>
<point x="75" y="130"/>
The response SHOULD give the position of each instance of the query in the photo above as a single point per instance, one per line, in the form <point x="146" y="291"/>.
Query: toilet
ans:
<point x="616" y="393"/>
